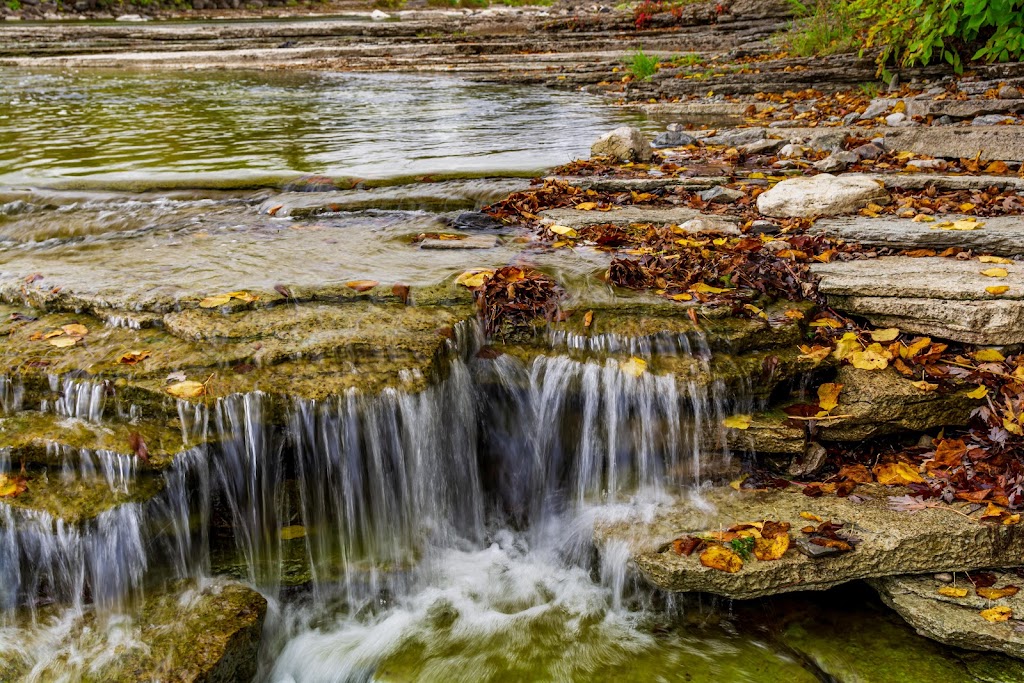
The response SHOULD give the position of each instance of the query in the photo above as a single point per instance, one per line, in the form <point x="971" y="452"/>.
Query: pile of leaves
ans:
<point x="727" y="550"/>
<point x="511" y="299"/>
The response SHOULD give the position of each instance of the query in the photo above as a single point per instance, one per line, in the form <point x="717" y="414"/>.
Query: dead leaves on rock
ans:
<point x="218" y="300"/>
<point x="12" y="485"/>
<point x="726" y="551"/>
<point x="721" y="558"/>
<point x="65" y="337"/>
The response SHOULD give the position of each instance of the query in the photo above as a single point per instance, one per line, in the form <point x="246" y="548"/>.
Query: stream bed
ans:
<point x="413" y="506"/>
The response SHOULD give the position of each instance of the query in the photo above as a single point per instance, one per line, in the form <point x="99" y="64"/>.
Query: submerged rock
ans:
<point x="888" y="542"/>
<point x="821" y="195"/>
<point x="956" y="620"/>
<point x="625" y="144"/>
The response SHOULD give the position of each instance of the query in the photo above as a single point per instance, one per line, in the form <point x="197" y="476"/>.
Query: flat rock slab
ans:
<point x="891" y="542"/>
<point x="1005" y="143"/>
<point x="1002" y="235"/>
<point x="934" y="296"/>
<point x="632" y="215"/>
<point x="952" y="620"/>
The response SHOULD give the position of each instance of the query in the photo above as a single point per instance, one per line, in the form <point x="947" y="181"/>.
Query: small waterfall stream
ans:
<point x="473" y="498"/>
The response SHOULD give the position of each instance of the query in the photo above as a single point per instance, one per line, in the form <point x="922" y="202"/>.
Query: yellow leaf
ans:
<point x="563" y="230"/>
<point x="816" y="353"/>
<point x="586" y="206"/>
<point x="925" y="386"/>
<point x="828" y="396"/>
<point x="811" y="517"/>
<point x="826" y="322"/>
<point x="915" y="347"/>
<point x="996" y="614"/>
<point x="634" y="366"/>
<point x="133" y="357"/>
<point x="899" y="108"/>
<point x="682" y="297"/>
<point x="186" y="389"/>
<point x="756" y="311"/>
<point x="768" y="549"/>
<point x="997" y="593"/>
<point x="980" y="392"/>
<point x="11" y="486"/>
<point x="794" y="314"/>
<point x="951" y="592"/>
<point x="63" y="342"/>
<point x="967" y="206"/>
<point x="995" y="272"/>
<point x="846" y="346"/>
<point x="988" y="356"/>
<point x="53" y="333"/>
<point x="703" y="288"/>
<point x="294" y="531"/>
<point x="722" y="559"/>
<point x="896" y="474"/>
<point x="924" y="218"/>
<point x="886" y="335"/>
<point x="1012" y="427"/>
<point x="997" y="289"/>
<point x="966" y="224"/>
<point x="76" y="330"/>
<point x="215" y="301"/>
<point x="474" y="278"/>
<point x="588" y="319"/>
<point x="994" y="259"/>
<point x="242" y="296"/>
<point x="737" y="421"/>
<point x="362" y="285"/>
<point x="871" y="358"/>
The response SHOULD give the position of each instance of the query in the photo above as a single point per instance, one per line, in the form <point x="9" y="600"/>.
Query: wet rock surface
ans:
<point x="889" y="542"/>
<point x="996" y="235"/>
<point x="821" y="195"/>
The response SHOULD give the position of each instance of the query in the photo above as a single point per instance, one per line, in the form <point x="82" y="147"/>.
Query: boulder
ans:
<point x="890" y="542"/>
<point x="625" y="144"/>
<point x="955" y="620"/>
<point x="938" y="297"/>
<point x="821" y="195"/>
<point x="673" y="139"/>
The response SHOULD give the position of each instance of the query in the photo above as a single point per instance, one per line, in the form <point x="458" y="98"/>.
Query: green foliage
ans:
<point x="13" y="4"/>
<point x="924" y="31"/>
<point x="642" y="66"/>
<point x="821" y="27"/>
<point x="389" y="4"/>
<point x="742" y="546"/>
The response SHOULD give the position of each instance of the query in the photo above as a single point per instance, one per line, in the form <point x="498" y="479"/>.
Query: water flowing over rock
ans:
<point x="821" y="195"/>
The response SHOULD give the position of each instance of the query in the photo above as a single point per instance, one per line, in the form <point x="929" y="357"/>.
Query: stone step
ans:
<point x="642" y="215"/>
<point x="956" y="621"/>
<point x="1002" y="235"/>
<point x="938" y="297"/>
<point x="891" y="542"/>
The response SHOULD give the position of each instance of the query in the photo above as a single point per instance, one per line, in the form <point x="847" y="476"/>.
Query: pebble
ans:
<point x="673" y="138"/>
<point x="926" y="164"/>
<point x="837" y="161"/>
<point x="763" y="228"/>
<point x="876" y="108"/>
<point x="943" y="121"/>
<point x="721" y="195"/>
<point x="792" y="151"/>
<point x="1009" y="92"/>
<point x="869" y="151"/>
<point x="850" y="118"/>
<point x="944" y="577"/>
<point x="896" y="119"/>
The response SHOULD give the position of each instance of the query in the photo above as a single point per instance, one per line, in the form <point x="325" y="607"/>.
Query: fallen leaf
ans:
<point x="768" y="549"/>
<point x="362" y="285"/>
<point x="634" y="366"/>
<point x="722" y="559"/>
<point x="855" y="473"/>
<point x="11" y="486"/>
<point x="687" y="545"/>
<point x="811" y="516"/>
<point x="896" y="474"/>
<point x="951" y="592"/>
<point x="994" y="259"/>
<point x="871" y="358"/>
<point x="846" y="346"/>
<point x="588" y="318"/>
<point x="138" y="446"/>
<point x="703" y="288"/>
<point x="988" y="356"/>
<point x="63" y="342"/>
<point x="563" y="230"/>
<point x="215" y="301"/>
<point x="586" y="206"/>
<point x="186" y="389"/>
<point x="997" y="613"/>
<point x="828" y="396"/>
<point x="995" y="272"/>
<point x="886" y="335"/>
<point x="756" y="311"/>
<point x="998" y="289"/>
<point x="737" y="421"/>
<point x="980" y="392"/>
<point x="997" y="593"/>
<point x="915" y="347"/>
<point x="925" y="386"/>
<point x="474" y="278"/>
<point x="75" y="330"/>
<point x="133" y="357"/>
<point x="966" y="224"/>
<point x="826" y="322"/>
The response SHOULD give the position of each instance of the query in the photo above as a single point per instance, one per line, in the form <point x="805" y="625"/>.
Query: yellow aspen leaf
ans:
<point x="474" y="278"/>
<point x="915" y="347"/>
<point x="994" y="259"/>
<point x="925" y="386"/>
<point x="737" y="421"/>
<point x="995" y="272"/>
<point x="980" y="392"/>
<point x="997" y="289"/>
<point x="896" y="474"/>
<point x="634" y="366"/>
<point x="828" y="396"/>
<point x="885" y="335"/>
<point x="722" y="559"/>
<point x="952" y="592"/>
<point x="563" y="230"/>
<point x="703" y="288"/>
<point x="215" y="301"/>
<point x="997" y="614"/>
<point x="75" y="330"/>
<point x="63" y="342"/>
<point x="768" y="549"/>
<point x="988" y="356"/>
<point x="1010" y="520"/>
<point x="290" y="532"/>
<point x="899" y="108"/>
<point x="756" y="311"/>
<point x="186" y="389"/>
<point x="992" y="593"/>
<point x="872" y="358"/>
<point x="362" y="285"/>
<point x="586" y="206"/>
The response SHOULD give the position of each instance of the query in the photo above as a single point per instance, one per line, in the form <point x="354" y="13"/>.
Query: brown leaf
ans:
<point x="686" y="545"/>
<point x="133" y="357"/>
<point x="855" y="473"/>
<point x="362" y="285"/>
<point x="11" y="486"/>
<point x="138" y="446"/>
<point x="402" y="292"/>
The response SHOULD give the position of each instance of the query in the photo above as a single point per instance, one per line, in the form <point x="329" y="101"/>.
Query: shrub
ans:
<point x="825" y="27"/>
